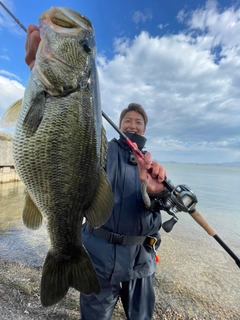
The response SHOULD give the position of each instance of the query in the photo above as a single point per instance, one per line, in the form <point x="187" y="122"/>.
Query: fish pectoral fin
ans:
<point x="59" y="274"/>
<point x="32" y="217"/>
<point x="35" y="112"/>
<point x="102" y="203"/>
<point x="11" y="115"/>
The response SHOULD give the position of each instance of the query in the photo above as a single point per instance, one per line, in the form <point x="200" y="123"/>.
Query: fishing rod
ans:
<point x="10" y="13"/>
<point x="177" y="199"/>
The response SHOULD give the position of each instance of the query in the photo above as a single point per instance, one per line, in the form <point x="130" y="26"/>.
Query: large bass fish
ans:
<point x="59" y="150"/>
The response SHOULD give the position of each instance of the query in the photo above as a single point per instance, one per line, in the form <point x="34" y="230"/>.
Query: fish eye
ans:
<point x="85" y="46"/>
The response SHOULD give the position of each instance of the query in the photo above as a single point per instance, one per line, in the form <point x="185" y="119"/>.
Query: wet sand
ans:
<point x="196" y="277"/>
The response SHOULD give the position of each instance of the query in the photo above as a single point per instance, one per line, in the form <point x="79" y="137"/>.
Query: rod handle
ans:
<point x="203" y="223"/>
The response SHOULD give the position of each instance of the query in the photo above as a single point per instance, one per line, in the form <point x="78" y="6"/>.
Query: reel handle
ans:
<point x="168" y="225"/>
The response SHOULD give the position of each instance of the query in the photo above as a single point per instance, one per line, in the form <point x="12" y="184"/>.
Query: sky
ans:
<point x="179" y="59"/>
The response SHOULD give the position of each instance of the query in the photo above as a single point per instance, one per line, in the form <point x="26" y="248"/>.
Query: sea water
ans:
<point x="196" y="276"/>
<point x="216" y="187"/>
<point x="218" y="191"/>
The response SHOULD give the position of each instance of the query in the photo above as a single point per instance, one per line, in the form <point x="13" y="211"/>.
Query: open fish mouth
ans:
<point x="65" y="22"/>
<point x="66" y="35"/>
<point x="61" y="18"/>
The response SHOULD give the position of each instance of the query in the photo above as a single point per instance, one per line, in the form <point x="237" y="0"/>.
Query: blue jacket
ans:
<point x="129" y="217"/>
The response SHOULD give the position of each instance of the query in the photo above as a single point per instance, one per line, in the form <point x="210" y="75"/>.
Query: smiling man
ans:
<point x="133" y="119"/>
<point x="123" y="249"/>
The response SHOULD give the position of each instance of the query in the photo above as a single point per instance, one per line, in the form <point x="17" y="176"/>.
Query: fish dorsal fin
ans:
<point x="11" y="115"/>
<point x="32" y="217"/>
<point x="102" y="203"/>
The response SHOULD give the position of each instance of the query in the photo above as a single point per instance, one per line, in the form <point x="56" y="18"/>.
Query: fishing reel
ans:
<point x="175" y="199"/>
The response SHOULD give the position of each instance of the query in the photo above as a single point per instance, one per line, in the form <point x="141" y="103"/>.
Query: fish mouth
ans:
<point x="61" y="19"/>
<point x="66" y="23"/>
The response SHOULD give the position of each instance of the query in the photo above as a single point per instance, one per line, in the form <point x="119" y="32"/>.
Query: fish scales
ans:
<point x="60" y="148"/>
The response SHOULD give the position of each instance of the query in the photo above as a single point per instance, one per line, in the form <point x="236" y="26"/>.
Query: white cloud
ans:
<point x="9" y="74"/>
<point x="10" y="91"/>
<point x="4" y="57"/>
<point x="222" y="25"/>
<point x="187" y="82"/>
<point x="139" y="16"/>
<point x="161" y="26"/>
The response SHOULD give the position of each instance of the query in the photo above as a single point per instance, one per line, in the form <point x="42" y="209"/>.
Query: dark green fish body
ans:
<point x="59" y="150"/>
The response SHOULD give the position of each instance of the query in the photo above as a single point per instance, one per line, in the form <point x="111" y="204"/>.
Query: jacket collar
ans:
<point x="139" y="140"/>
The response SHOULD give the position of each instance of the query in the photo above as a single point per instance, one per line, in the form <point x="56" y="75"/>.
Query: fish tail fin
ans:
<point x="59" y="273"/>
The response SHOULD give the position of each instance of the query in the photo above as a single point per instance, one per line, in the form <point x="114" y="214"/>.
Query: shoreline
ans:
<point x="20" y="299"/>
<point x="197" y="277"/>
<point x="20" y="296"/>
<point x="194" y="280"/>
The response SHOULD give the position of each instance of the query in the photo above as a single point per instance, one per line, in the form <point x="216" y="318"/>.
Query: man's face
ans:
<point x="133" y="122"/>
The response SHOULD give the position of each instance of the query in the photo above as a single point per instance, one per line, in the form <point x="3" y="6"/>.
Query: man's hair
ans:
<point x="134" y="107"/>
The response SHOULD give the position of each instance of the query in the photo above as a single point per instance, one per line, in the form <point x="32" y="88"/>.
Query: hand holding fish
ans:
<point x="151" y="172"/>
<point x="31" y="45"/>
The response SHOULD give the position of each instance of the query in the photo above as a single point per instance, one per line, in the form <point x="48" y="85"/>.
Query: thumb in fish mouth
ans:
<point x="32" y="43"/>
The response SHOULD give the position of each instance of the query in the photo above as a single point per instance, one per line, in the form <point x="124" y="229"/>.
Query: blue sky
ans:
<point x="179" y="59"/>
